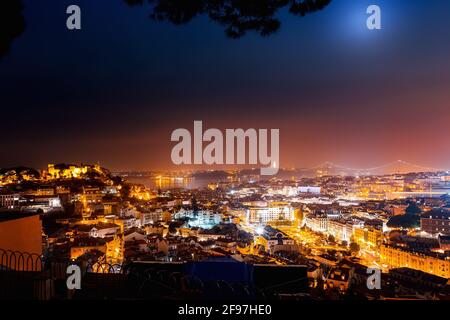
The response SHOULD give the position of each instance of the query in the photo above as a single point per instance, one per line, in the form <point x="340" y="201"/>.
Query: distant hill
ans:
<point x="214" y="175"/>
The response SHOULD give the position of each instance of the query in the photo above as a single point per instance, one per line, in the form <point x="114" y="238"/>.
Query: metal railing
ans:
<point x="20" y="261"/>
<point x="30" y="276"/>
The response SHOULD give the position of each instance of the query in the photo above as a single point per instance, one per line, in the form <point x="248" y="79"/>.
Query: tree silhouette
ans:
<point x="238" y="16"/>
<point x="12" y="24"/>
<point x="195" y="207"/>
<point x="413" y="209"/>
<point x="354" y="248"/>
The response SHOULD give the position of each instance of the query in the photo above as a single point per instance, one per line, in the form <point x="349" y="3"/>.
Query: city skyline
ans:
<point x="364" y="238"/>
<point x="225" y="157"/>
<point x="399" y="166"/>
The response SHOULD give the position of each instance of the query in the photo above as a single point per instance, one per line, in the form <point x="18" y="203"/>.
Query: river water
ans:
<point x="170" y="183"/>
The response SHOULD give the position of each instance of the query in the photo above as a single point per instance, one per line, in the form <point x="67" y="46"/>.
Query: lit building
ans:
<point x="100" y="230"/>
<point x="140" y="192"/>
<point x="436" y="221"/>
<point x="316" y="222"/>
<point x="213" y="186"/>
<point x="341" y="230"/>
<point x="91" y="195"/>
<point x="42" y="203"/>
<point x="444" y="243"/>
<point x="112" y="247"/>
<point x="368" y="235"/>
<point x="339" y="277"/>
<point x="202" y="218"/>
<point x="69" y="171"/>
<point x="115" y="250"/>
<point x="10" y="201"/>
<point x="399" y="257"/>
<point x="274" y="211"/>
<point x="147" y="218"/>
<point x="309" y="189"/>
<point x="271" y="238"/>
<point x="81" y="246"/>
<point x="287" y="191"/>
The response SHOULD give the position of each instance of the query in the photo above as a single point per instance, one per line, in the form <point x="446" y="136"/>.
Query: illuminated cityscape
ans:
<point x="206" y="158"/>
<point x="332" y="227"/>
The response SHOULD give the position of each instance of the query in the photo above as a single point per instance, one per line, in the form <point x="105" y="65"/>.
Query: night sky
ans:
<point x="114" y="91"/>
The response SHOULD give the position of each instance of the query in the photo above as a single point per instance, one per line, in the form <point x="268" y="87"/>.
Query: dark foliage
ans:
<point x="238" y="16"/>
<point x="12" y="23"/>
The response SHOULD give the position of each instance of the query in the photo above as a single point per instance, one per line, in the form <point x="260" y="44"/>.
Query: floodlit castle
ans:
<point x="68" y="171"/>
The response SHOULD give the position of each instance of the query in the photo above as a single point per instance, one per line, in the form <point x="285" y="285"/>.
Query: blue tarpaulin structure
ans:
<point x="221" y="268"/>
